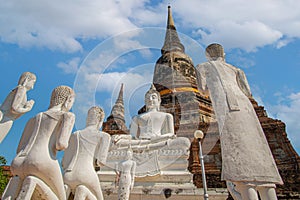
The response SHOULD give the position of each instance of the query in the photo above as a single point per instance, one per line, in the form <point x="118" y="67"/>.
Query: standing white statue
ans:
<point x="247" y="161"/>
<point x="153" y="124"/>
<point x="87" y="148"/>
<point x="36" y="171"/>
<point x="125" y="171"/>
<point x="16" y="104"/>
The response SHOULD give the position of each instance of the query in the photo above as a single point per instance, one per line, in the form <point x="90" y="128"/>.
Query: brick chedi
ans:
<point x="175" y="79"/>
<point x="115" y="123"/>
<point x="287" y="159"/>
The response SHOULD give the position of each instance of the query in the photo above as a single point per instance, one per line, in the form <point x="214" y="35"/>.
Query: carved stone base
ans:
<point x="169" y="184"/>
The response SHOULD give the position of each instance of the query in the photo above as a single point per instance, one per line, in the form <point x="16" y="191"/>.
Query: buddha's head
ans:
<point x="152" y="98"/>
<point x="215" y="52"/>
<point x="95" y="116"/>
<point x="27" y="80"/>
<point x="64" y="96"/>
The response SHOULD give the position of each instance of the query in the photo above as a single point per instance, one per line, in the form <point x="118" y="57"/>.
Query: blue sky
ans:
<point x="94" y="46"/>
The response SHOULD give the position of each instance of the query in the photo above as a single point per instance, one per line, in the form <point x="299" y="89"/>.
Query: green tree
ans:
<point x="3" y="177"/>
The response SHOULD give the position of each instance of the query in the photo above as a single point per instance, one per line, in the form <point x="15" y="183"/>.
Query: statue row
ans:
<point x="247" y="162"/>
<point x="36" y="168"/>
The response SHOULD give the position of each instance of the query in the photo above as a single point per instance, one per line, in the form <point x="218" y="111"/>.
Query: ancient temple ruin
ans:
<point x="175" y="78"/>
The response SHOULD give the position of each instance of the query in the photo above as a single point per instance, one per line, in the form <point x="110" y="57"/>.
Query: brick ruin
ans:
<point x="175" y="78"/>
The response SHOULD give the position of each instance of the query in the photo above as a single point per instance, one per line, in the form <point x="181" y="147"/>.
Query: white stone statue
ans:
<point x="151" y="129"/>
<point x="152" y="124"/>
<point x="125" y="171"/>
<point x="16" y="104"/>
<point x="87" y="148"/>
<point x="247" y="161"/>
<point x="151" y="133"/>
<point x="36" y="171"/>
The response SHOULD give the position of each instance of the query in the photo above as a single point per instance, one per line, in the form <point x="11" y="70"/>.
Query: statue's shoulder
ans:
<point x="164" y="113"/>
<point x="234" y="68"/>
<point x="68" y="115"/>
<point x="204" y="65"/>
<point x="141" y="116"/>
<point x="168" y="115"/>
<point x="104" y="133"/>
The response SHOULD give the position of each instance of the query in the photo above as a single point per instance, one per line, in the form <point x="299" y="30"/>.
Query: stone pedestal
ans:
<point x="172" y="184"/>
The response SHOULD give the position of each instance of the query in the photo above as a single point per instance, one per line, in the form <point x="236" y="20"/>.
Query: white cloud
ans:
<point x="58" y="25"/>
<point x="107" y="85"/>
<point x="289" y="112"/>
<point x="248" y="35"/>
<point x="240" y="59"/>
<point x="241" y="24"/>
<point x="283" y="42"/>
<point x="71" y="66"/>
<point x="109" y="81"/>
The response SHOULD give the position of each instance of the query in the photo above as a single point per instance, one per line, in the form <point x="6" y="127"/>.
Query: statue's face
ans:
<point x="30" y="84"/>
<point x="152" y="101"/>
<point x="69" y="102"/>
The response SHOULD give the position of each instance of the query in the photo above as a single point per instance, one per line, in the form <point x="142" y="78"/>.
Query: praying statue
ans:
<point x="36" y="170"/>
<point x="87" y="148"/>
<point x="248" y="165"/>
<point x="125" y="171"/>
<point x="16" y="104"/>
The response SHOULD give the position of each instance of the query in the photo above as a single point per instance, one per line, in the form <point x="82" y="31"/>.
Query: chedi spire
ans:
<point x="115" y="123"/>
<point x="172" y="41"/>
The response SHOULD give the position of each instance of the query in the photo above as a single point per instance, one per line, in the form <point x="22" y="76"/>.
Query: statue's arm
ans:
<point x="27" y="132"/>
<point x="17" y="104"/>
<point x="102" y="149"/>
<point x="132" y="174"/>
<point x="134" y="128"/>
<point x="167" y="130"/>
<point x="170" y="123"/>
<point x="62" y="140"/>
<point x="71" y="152"/>
<point x="243" y="83"/>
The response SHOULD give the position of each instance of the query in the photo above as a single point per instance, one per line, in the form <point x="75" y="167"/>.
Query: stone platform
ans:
<point x="178" y="185"/>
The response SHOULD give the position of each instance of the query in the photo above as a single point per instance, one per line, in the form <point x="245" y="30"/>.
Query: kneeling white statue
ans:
<point x="16" y="104"/>
<point x="87" y="147"/>
<point x="36" y="171"/>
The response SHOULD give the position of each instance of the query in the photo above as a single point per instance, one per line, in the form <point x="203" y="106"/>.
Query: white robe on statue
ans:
<point x="246" y="155"/>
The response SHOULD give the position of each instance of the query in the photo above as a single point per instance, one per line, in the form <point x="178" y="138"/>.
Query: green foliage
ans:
<point x="2" y="161"/>
<point x="3" y="178"/>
